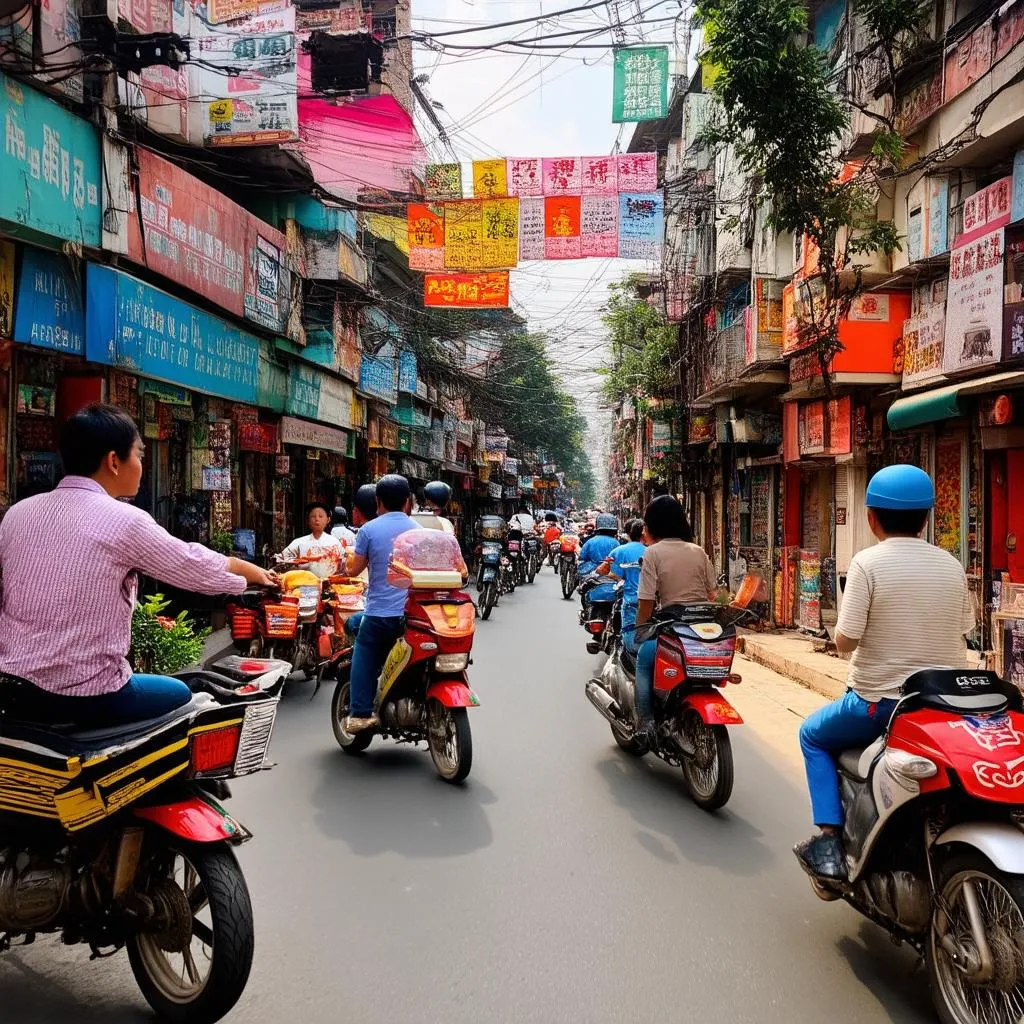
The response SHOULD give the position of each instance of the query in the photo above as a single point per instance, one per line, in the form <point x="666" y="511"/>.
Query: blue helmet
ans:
<point x="606" y="521"/>
<point x="900" y="487"/>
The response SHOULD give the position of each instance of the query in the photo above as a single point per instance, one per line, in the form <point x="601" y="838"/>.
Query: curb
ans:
<point x="806" y="676"/>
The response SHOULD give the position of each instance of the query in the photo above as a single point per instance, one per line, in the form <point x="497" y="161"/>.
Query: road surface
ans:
<point x="565" y="882"/>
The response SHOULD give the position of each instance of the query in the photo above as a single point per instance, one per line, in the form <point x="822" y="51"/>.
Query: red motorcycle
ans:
<point x="696" y="646"/>
<point x="934" y="839"/>
<point x="423" y="691"/>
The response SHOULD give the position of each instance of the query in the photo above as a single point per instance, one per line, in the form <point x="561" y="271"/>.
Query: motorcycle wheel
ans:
<point x="488" y="599"/>
<point x="566" y="580"/>
<point x="450" y="741"/>
<point x="339" y="712"/>
<point x="196" y="967"/>
<point x="709" y="772"/>
<point x="1000" y="900"/>
<point x="531" y="570"/>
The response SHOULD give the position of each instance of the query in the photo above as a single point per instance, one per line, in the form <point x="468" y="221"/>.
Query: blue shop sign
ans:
<point x="140" y="328"/>
<point x="50" y="166"/>
<point x="303" y="391"/>
<point x="407" y="371"/>
<point x="377" y="375"/>
<point x="48" y="309"/>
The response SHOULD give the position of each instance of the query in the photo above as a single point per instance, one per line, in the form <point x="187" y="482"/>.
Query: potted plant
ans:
<point x="222" y="541"/>
<point x="161" y="643"/>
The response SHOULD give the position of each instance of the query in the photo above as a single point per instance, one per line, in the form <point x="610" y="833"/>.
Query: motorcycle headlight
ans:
<point x="451" y="662"/>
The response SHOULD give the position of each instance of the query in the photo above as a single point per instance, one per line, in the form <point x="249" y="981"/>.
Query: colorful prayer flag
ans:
<point x="637" y="172"/>
<point x="426" y="237"/>
<point x="463" y="234"/>
<point x="531" y="228"/>
<point x="562" y="227"/>
<point x="641" y="225"/>
<point x="466" y="291"/>
<point x="599" y="226"/>
<point x="600" y="176"/>
<point x="443" y="181"/>
<point x="525" y="176"/>
<point x="489" y="179"/>
<point x="562" y="175"/>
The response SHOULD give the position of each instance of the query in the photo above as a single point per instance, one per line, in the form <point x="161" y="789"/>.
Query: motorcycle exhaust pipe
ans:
<point x="603" y="701"/>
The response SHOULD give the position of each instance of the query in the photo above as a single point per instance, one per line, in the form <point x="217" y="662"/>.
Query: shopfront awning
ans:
<point x="944" y="403"/>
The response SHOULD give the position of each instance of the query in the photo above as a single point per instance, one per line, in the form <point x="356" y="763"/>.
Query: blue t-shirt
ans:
<point x="375" y="542"/>
<point x="595" y="551"/>
<point x="626" y="565"/>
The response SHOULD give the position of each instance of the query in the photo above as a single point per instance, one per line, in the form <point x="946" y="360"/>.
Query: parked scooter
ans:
<point x="116" y="838"/>
<point x="696" y="645"/>
<point x="934" y="842"/>
<point x="423" y="691"/>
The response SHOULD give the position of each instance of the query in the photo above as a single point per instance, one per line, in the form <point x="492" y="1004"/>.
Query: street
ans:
<point x="564" y="882"/>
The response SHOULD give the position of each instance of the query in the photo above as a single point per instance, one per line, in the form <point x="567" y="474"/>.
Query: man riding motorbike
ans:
<point x="383" y="620"/>
<point x="906" y="606"/>
<point x="431" y="512"/>
<point x="674" y="571"/>
<point x="66" y="608"/>
<point x="623" y="563"/>
<point x="592" y="554"/>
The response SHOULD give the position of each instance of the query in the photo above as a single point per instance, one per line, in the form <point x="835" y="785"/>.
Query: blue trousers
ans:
<point x="377" y="635"/>
<point x="141" y="698"/>
<point x="848" y="722"/>
<point x="352" y="623"/>
<point x="645" y="680"/>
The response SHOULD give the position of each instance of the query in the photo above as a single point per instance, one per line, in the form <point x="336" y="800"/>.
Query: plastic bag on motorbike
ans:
<point x="425" y="558"/>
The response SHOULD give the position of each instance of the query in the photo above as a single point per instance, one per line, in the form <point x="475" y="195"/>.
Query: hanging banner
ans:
<point x="974" y="306"/>
<point x="923" y="343"/>
<point x="490" y="179"/>
<point x="466" y="291"/>
<point x="531" y="229"/>
<point x="525" y="176"/>
<point x="500" y="234"/>
<point x="443" y="181"/>
<point x="640" y="84"/>
<point x="637" y="172"/>
<point x="562" y="228"/>
<point x="599" y="226"/>
<point x="641" y="225"/>
<point x="600" y="177"/>
<point x="481" y="234"/>
<point x="562" y="176"/>
<point x="426" y="237"/>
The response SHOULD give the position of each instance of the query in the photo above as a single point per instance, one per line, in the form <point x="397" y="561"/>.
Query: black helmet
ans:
<point x="438" y="493"/>
<point x="550" y="517"/>
<point x="366" y="501"/>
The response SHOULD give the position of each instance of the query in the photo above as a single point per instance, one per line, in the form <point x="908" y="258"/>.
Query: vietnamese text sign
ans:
<point x="426" y="237"/>
<point x="443" y="181"/>
<point x="640" y="84"/>
<point x="531" y="228"/>
<point x="562" y="227"/>
<point x="132" y="325"/>
<point x="48" y="308"/>
<point x="50" y="166"/>
<point x="466" y="291"/>
<point x="599" y="226"/>
<point x="641" y="225"/>
<point x="490" y="179"/>
<point x="974" y="307"/>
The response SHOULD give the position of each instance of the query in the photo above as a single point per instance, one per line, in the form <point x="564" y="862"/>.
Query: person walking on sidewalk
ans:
<point x="906" y="607"/>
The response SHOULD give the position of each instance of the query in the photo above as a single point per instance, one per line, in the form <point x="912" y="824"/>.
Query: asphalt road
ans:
<point x="564" y="882"/>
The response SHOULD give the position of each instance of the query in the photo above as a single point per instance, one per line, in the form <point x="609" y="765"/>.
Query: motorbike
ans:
<point x="568" y="560"/>
<point x="491" y="576"/>
<point x="531" y="557"/>
<point x="696" y="646"/>
<point x="554" y="547"/>
<point x="596" y="617"/>
<point x="423" y="691"/>
<point x="516" y="548"/>
<point x="934" y="838"/>
<point x="116" y="838"/>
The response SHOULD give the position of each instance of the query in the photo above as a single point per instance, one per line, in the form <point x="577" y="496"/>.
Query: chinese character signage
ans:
<point x="378" y="376"/>
<point x="466" y="291"/>
<point x="132" y="325"/>
<point x="54" y="157"/>
<point x="562" y="227"/>
<point x="426" y="236"/>
<point x="48" y="309"/>
<point x="481" y="234"/>
<point x="923" y="343"/>
<point x="640" y="90"/>
<point x="974" y="307"/>
<point x="489" y="179"/>
<point x="641" y="225"/>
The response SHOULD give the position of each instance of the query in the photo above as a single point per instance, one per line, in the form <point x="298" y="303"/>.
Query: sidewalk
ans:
<point x="804" y="660"/>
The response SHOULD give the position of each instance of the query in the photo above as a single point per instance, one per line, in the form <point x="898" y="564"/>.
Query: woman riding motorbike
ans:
<point x="674" y="571"/>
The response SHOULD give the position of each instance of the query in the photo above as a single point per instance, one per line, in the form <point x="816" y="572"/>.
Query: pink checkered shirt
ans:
<point x="69" y="560"/>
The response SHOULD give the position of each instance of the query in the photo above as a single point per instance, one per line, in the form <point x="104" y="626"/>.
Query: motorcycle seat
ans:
<point x="69" y="738"/>
<point x="960" y="691"/>
<point x="857" y="761"/>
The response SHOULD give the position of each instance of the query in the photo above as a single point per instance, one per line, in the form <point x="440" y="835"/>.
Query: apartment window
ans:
<point x="385" y="25"/>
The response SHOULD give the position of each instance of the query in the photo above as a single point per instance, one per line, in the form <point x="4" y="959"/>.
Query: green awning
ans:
<point x="944" y="403"/>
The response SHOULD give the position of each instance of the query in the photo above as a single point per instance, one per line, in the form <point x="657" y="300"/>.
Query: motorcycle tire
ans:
<point x="568" y="585"/>
<point x="714" y="747"/>
<point x="948" y="997"/>
<point x="349" y="743"/>
<point x="488" y="599"/>
<point x="220" y="884"/>
<point x="531" y="570"/>
<point x="454" y="760"/>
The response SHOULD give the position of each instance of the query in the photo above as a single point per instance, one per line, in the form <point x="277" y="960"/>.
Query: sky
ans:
<point x="555" y="103"/>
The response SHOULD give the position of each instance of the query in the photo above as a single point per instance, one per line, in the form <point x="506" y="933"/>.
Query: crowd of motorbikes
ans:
<point x="118" y="838"/>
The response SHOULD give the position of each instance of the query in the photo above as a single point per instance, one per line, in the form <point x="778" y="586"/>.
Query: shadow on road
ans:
<point x="897" y="979"/>
<point x="390" y="800"/>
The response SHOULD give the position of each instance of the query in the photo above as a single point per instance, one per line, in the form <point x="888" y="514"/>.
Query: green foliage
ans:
<point x="222" y="541"/>
<point x="643" y="344"/>
<point x="160" y="643"/>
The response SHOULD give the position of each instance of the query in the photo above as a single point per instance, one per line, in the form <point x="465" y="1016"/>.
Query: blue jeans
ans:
<point x="377" y="635"/>
<point x="141" y="698"/>
<point x="352" y="623"/>
<point x="645" y="680"/>
<point x="848" y="722"/>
